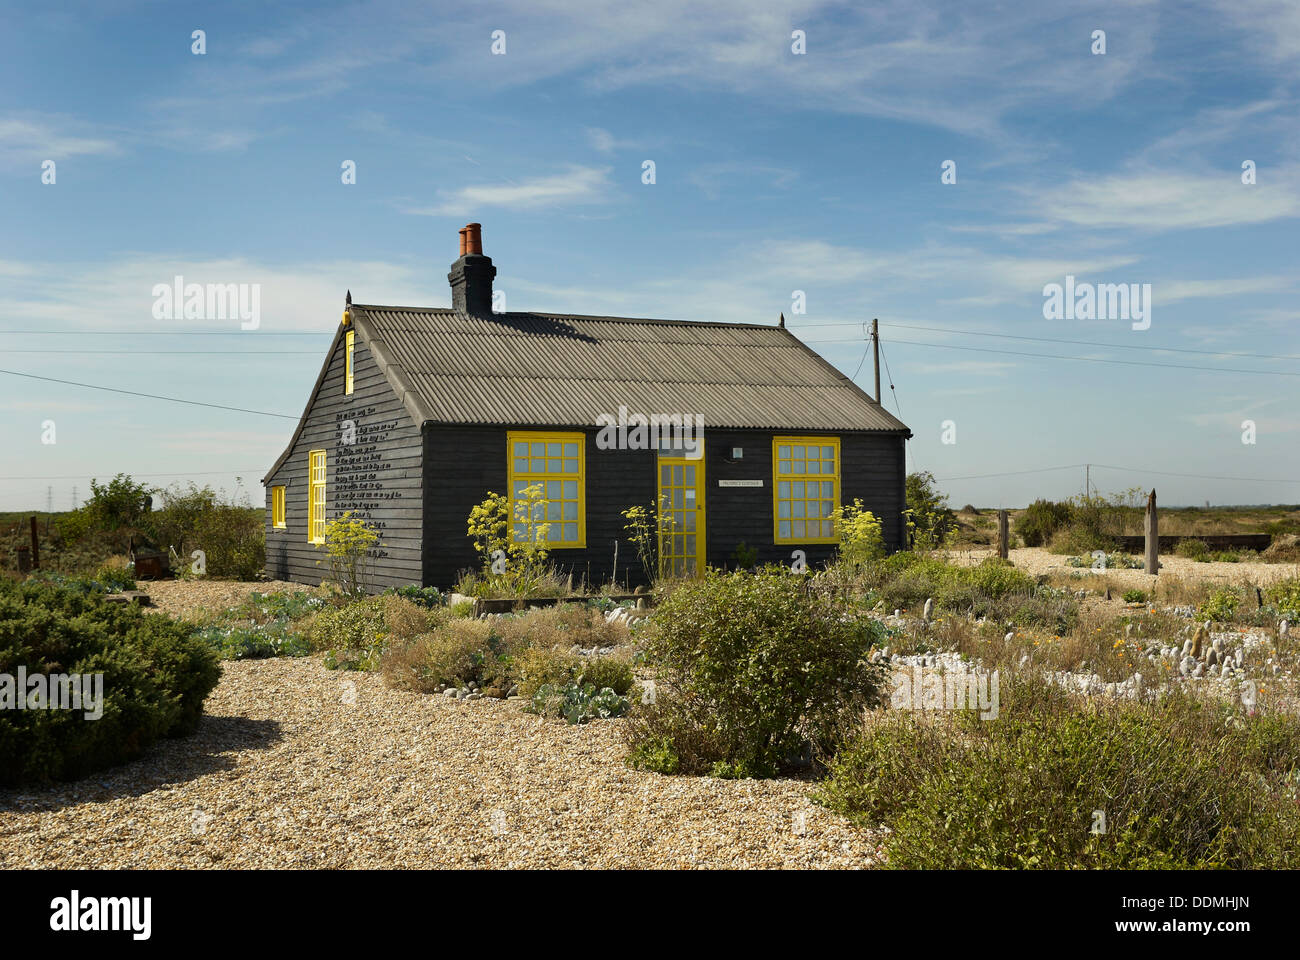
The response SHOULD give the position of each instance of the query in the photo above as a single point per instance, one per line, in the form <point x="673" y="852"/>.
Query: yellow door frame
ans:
<point x="700" y="508"/>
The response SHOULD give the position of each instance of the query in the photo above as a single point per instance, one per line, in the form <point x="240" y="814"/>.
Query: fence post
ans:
<point x="1004" y="534"/>
<point x="1152" y="532"/>
<point x="36" y="547"/>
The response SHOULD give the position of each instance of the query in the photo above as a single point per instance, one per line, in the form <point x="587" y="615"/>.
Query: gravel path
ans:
<point x="298" y="766"/>
<point x="183" y="598"/>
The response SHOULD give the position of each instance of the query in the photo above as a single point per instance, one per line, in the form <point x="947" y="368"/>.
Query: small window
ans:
<point x="547" y="487"/>
<point x="347" y="375"/>
<point x="805" y="489"/>
<point x="316" y="497"/>
<point x="277" y="507"/>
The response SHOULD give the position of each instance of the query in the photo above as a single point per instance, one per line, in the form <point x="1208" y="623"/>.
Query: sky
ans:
<point x="776" y="173"/>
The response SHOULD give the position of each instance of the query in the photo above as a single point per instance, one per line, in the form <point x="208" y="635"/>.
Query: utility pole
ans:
<point x="1087" y="479"/>
<point x="875" y="346"/>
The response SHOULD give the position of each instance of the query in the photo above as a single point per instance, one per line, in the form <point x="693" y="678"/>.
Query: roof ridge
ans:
<point x="566" y="316"/>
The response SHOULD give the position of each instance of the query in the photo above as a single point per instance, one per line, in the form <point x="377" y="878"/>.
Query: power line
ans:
<point x="174" y="333"/>
<point x="1084" y="343"/>
<point x="1105" y="466"/>
<point x="189" y="473"/>
<point x="206" y="353"/>
<point x="1127" y="363"/>
<point x="150" y="396"/>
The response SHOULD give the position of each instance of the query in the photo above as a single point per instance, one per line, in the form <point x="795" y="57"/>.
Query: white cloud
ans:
<point x="576" y="185"/>
<point x="1154" y="200"/>
<point x="32" y="140"/>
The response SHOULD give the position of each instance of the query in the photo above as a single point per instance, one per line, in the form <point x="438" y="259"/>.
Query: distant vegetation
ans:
<point x="119" y="515"/>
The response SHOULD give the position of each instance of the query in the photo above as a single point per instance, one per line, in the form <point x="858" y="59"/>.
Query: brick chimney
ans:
<point x="471" y="275"/>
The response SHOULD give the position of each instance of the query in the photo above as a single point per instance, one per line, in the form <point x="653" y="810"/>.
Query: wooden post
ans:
<point x="1152" y="531"/>
<point x="1004" y="534"/>
<point x="36" y="546"/>
<point x="875" y="346"/>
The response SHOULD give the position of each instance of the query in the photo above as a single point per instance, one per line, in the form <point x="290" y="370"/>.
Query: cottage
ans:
<point x="742" y="431"/>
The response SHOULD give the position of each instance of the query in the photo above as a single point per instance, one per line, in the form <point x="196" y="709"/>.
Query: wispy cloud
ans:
<point x="575" y="186"/>
<point x="29" y="140"/>
<point x="1170" y="200"/>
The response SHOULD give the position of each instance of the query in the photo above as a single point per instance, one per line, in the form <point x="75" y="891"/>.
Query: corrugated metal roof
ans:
<point x="557" y="370"/>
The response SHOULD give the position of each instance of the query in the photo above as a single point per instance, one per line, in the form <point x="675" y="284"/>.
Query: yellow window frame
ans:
<point x="348" y="368"/>
<point x="802" y="476"/>
<point x="277" y="507"/>
<point x="316" y="474"/>
<point x="525" y="472"/>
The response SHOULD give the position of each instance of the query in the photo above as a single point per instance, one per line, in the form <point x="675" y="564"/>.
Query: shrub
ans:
<point x="577" y="702"/>
<point x="352" y="636"/>
<point x="156" y="677"/>
<point x="1040" y="521"/>
<point x="231" y="535"/>
<point x="1183" y="783"/>
<point x="1284" y="595"/>
<point x="556" y="667"/>
<point x="1192" y="549"/>
<point x="860" y="534"/>
<point x="928" y="515"/>
<point x="753" y="671"/>
<point x="348" y="542"/>
<point x="1135" y="596"/>
<point x="428" y="597"/>
<point x="1221" y="605"/>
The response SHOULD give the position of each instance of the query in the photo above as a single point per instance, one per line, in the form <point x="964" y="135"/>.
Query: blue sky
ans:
<point x="775" y="172"/>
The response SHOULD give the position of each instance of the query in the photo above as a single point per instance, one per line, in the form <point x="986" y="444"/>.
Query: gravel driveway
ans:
<point x="298" y="766"/>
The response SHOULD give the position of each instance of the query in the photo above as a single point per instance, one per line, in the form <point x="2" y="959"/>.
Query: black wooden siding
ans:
<point x="377" y="477"/>
<point x="465" y="462"/>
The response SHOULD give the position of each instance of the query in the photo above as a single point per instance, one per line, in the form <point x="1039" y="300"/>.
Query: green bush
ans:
<point x="428" y="597"/>
<point x="1284" y="596"/>
<point x="928" y="515"/>
<point x="352" y="636"/>
<point x="1221" y="605"/>
<point x="577" y="702"/>
<point x="1192" y="549"/>
<point x="156" y="677"/>
<point x="1040" y="521"/>
<point x="1182" y="783"/>
<point x="753" y="670"/>
<point x="1135" y="596"/>
<point x="231" y="535"/>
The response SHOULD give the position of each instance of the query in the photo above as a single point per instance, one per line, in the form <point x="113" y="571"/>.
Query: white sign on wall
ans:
<point x="740" y="483"/>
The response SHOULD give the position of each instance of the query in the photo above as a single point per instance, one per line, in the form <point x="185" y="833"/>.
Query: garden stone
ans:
<point x="449" y="692"/>
<point x="513" y="691"/>
<point x="1212" y="657"/>
<point x="1011" y="634"/>
<point x="1283" y="628"/>
<point x="1198" y="641"/>
<point x="1199" y="671"/>
<point x="1186" y="666"/>
<point x="929" y="610"/>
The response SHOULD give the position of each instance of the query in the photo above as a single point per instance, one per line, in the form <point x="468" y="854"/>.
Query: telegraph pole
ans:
<point x="875" y="346"/>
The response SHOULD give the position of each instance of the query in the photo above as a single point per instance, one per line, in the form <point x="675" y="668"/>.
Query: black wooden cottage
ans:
<point x="419" y="412"/>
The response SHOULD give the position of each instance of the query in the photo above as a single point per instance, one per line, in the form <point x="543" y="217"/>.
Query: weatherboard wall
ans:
<point x="465" y="463"/>
<point x="377" y="477"/>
